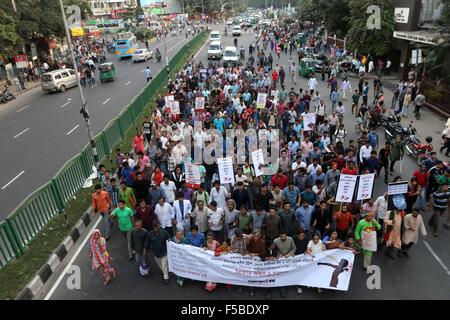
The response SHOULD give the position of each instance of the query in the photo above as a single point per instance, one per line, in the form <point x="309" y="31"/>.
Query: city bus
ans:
<point x="126" y="45"/>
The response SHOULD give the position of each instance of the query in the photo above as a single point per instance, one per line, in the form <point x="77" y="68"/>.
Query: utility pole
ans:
<point x="165" y="48"/>
<point x="84" y="110"/>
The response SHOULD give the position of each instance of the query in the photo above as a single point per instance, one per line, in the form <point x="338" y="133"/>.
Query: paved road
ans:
<point x="39" y="133"/>
<point x="421" y="276"/>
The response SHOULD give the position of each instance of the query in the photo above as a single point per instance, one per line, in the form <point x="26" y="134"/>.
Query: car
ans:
<point x="214" y="36"/>
<point x="308" y="50"/>
<point x="230" y="22"/>
<point x="215" y="50"/>
<point x="230" y="56"/>
<point x="142" y="55"/>
<point x="237" y="30"/>
<point x="58" y="80"/>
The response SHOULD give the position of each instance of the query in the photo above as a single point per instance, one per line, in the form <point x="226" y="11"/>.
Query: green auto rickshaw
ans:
<point x="307" y="67"/>
<point x="107" y="71"/>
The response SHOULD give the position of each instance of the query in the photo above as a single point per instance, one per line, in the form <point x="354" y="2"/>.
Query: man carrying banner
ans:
<point x="366" y="226"/>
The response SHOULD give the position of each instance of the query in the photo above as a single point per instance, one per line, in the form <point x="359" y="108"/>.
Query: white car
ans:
<point x="214" y="36"/>
<point x="230" y="22"/>
<point x="236" y="30"/>
<point x="215" y="50"/>
<point x="230" y="56"/>
<point x="142" y="55"/>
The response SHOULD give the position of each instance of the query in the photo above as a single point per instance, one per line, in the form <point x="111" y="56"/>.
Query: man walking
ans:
<point x="156" y="241"/>
<point x="148" y="74"/>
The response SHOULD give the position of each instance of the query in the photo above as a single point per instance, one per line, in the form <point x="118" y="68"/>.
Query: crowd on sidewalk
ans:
<point x="286" y="210"/>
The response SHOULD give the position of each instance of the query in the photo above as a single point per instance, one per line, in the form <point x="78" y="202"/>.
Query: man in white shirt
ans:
<point x="216" y="219"/>
<point x="306" y="146"/>
<point x="298" y="164"/>
<point x="130" y="161"/>
<point x="312" y="83"/>
<point x="364" y="152"/>
<point x="179" y="152"/>
<point x="165" y="214"/>
<point x="164" y="139"/>
<point x="169" y="189"/>
<point x="219" y="194"/>
<point x="182" y="209"/>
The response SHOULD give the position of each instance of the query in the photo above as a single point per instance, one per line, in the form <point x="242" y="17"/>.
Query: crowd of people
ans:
<point x="290" y="208"/>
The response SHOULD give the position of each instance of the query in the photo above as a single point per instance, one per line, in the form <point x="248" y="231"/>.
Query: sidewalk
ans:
<point x="30" y="85"/>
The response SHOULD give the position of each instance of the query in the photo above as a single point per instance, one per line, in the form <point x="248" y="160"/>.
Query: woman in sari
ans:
<point x="100" y="257"/>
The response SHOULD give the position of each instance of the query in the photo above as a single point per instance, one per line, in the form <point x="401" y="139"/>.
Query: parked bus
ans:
<point x="126" y="45"/>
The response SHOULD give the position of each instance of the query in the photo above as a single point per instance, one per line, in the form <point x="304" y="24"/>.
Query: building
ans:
<point x="109" y="9"/>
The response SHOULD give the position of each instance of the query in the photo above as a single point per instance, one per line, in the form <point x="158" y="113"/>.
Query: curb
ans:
<point x="45" y="272"/>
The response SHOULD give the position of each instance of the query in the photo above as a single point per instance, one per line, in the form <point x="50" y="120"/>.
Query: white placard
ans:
<point x="369" y="240"/>
<point x="258" y="160"/>
<point x="226" y="171"/>
<point x="174" y="107"/>
<point x="401" y="15"/>
<point x="199" y="103"/>
<point x="398" y="188"/>
<point x="309" y="119"/>
<point x="331" y="269"/>
<point x="365" y="186"/>
<point x="168" y="99"/>
<point x="346" y="188"/>
<point x="261" y="100"/>
<point x="192" y="173"/>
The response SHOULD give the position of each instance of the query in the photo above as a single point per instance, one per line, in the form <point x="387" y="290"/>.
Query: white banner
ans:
<point x="365" y="186"/>
<point x="346" y="188"/>
<point x="261" y="100"/>
<point x="398" y="188"/>
<point x="192" y="173"/>
<point x="329" y="269"/>
<point x="308" y="120"/>
<point x="174" y="107"/>
<point x="258" y="160"/>
<point x="226" y="171"/>
<point x="199" y="103"/>
<point x="167" y="99"/>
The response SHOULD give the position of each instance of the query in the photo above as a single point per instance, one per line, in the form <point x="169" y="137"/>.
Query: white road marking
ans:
<point x="126" y="84"/>
<point x="21" y="133"/>
<point x="106" y="101"/>
<point x="23" y="108"/>
<point x="198" y="52"/>
<point x="437" y="257"/>
<point x="61" y="276"/>
<point x="74" y="128"/>
<point x="65" y="104"/>
<point x="93" y="86"/>
<point x="13" y="179"/>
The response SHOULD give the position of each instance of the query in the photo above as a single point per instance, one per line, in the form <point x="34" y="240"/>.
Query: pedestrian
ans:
<point x="256" y="247"/>
<point x="440" y="204"/>
<point x="101" y="204"/>
<point x="393" y="233"/>
<point x="344" y="222"/>
<point x="315" y="245"/>
<point x="179" y="239"/>
<point x="383" y="157"/>
<point x="157" y="242"/>
<point x="412" y="224"/>
<point x="368" y="224"/>
<point x="125" y="218"/>
<point x="101" y="261"/>
<point x="397" y="152"/>
<point x="212" y="245"/>
<point x="148" y="74"/>
<point x="138" y="238"/>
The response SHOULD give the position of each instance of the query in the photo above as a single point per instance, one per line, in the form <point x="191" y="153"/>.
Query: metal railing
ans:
<point x="33" y="213"/>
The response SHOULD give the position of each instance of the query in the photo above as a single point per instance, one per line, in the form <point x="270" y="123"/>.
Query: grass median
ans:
<point x="16" y="274"/>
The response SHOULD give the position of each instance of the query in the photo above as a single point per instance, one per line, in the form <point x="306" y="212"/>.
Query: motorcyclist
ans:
<point x="226" y="31"/>
<point x="158" y="55"/>
<point x="235" y="42"/>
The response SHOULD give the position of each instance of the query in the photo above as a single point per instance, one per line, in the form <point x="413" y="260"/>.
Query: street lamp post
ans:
<point x="165" y="48"/>
<point x="84" y="110"/>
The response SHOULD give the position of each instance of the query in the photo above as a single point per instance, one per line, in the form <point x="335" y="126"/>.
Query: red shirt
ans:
<point x="280" y="181"/>
<point x="341" y="163"/>
<point x="421" y="177"/>
<point x="352" y="172"/>
<point x="343" y="220"/>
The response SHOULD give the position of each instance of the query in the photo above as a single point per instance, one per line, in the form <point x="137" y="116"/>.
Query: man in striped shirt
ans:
<point x="440" y="203"/>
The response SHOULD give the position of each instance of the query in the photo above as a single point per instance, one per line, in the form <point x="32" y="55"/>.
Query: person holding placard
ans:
<point x="393" y="233"/>
<point x="364" y="231"/>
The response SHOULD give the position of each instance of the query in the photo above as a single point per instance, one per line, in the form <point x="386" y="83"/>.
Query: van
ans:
<point x="58" y="80"/>
<point x="230" y="56"/>
<point x="236" y="30"/>
<point x="214" y="36"/>
<point x="215" y="50"/>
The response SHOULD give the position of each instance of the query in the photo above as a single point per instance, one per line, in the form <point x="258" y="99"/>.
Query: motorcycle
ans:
<point x="385" y="121"/>
<point x="418" y="149"/>
<point x="394" y="129"/>
<point x="6" y="96"/>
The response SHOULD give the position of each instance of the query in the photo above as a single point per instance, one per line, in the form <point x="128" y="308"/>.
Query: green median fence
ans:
<point x="33" y="213"/>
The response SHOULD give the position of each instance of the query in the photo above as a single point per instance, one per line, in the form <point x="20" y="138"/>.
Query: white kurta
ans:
<point x="416" y="224"/>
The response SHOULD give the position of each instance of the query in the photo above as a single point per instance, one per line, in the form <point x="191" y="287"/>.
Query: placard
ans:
<point x="398" y="188"/>
<point x="346" y="188"/>
<point x="226" y="171"/>
<point x="199" y="103"/>
<point x="258" y="160"/>
<point x="261" y="100"/>
<point x="168" y="99"/>
<point x="192" y="173"/>
<point x="401" y="15"/>
<point x="365" y="186"/>
<point x="309" y="120"/>
<point x="174" y="107"/>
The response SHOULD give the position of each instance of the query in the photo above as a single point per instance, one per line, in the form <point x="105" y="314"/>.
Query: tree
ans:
<point x="376" y="42"/>
<point x="8" y="36"/>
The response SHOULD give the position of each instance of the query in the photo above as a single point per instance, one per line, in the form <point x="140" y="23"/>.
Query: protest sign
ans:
<point x="309" y="120"/>
<point x="226" y="172"/>
<point x="192" y="173"/>
<point x="346" y="188"/>
<point x="199" y="103"/>
<point x="258" y="161"/>
<point x="174" y="107"/>
<point x="167" y="99"/>
<point x="396" y="195"/>
<point x="365" y="186"/>
<point x="329" y="269"/>
<point x="261" y="100"/>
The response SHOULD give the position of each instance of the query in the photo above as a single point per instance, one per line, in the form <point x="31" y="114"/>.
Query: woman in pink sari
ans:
<point x="100" y="256"/>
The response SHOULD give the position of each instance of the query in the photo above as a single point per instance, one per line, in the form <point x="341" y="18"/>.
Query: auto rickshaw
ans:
<point x="107" y="71"/>
<point x="307" y="67"/>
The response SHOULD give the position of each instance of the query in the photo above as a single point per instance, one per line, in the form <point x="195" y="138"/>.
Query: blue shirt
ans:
<point x="291" y="196"/>
<point x="197" y="241"/>
<point x="218" y="123"/>
<point x="247" y="96"/>
<point x="303" y="217"/>
<point x="373" y="139"/>
<point x="293" y="146"/>
<point x="126" y="174"/>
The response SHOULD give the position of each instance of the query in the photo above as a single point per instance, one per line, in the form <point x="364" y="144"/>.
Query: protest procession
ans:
<point x="261" y="157"/>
